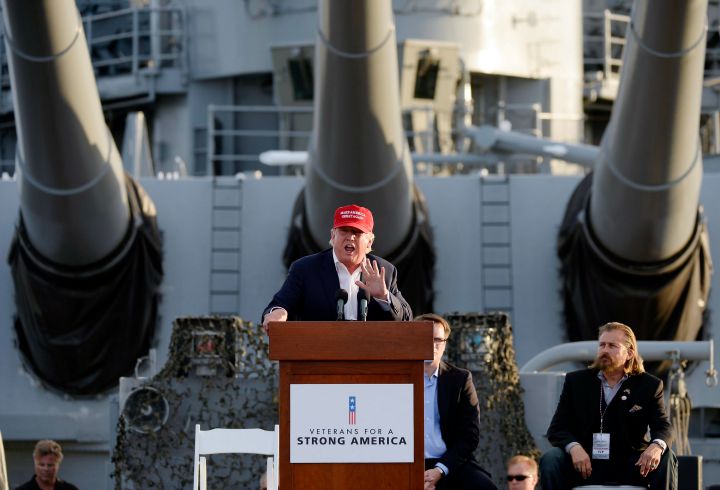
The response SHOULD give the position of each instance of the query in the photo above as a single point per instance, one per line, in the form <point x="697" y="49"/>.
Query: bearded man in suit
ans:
<point x="601" y="421"/>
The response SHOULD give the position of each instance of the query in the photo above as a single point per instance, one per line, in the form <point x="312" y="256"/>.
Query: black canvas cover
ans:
<point x="80" y="329"/>
<point x="659" y="301"/>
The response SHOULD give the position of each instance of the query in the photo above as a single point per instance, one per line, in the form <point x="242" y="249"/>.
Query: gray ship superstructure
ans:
<point x="221" y="82"/>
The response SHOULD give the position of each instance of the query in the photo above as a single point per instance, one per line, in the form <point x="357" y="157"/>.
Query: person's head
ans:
<point x="263" y="481"/>
<point x="47" y="457"/>
<point x="441" y="333"/>
<point x="351" y="236"/>
<point x="617" y="350"/>
<point x="522" y="473"/>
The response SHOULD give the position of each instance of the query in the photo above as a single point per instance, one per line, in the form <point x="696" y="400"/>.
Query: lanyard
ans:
<point x="602" y="412"/>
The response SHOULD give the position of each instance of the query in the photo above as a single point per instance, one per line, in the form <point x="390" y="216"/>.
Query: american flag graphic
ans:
<point x="352" y="407"/>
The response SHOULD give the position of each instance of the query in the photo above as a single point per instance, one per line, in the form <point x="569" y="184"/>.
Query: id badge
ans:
<point x="601" y="446"/>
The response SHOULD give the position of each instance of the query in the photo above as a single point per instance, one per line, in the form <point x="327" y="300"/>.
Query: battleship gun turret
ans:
<point x="633" y="243"/>
<point x="358" y="152"/>
<point x="86" y="258"/>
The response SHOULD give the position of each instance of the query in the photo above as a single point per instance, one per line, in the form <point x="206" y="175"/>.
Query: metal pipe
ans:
<point x="358" y="152"/>
<point x="651" y="350"/>
<point x="645" y="192"/>
<point x="72" y="192"/>
<point x="491" y="138"/>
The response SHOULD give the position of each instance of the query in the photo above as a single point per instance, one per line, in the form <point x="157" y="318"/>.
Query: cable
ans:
<point x="679" y="410"/>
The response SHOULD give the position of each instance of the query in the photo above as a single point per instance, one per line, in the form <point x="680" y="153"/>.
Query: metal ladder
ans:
<point x="497" y="291"/>
<point x="225" y="243"/>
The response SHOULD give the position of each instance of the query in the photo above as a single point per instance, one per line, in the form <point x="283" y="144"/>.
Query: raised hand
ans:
<point x="373" y="280"/>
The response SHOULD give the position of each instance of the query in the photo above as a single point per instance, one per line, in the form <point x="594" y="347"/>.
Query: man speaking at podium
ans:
<point x="343" y="282"/>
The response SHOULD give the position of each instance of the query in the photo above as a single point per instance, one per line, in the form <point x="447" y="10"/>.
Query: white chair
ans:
<point x="3" y="469"/>
<point x="243" y="441"/>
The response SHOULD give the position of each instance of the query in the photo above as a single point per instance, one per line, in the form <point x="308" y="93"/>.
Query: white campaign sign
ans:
<point x="351" y="423"/>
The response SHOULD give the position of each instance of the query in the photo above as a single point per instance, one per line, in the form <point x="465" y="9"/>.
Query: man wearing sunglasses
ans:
<point x="522" y="473"/>
<point x="452" y="428"/>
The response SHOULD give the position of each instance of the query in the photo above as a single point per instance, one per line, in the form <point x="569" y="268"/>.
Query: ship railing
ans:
<point x="133" y="40"/>
<point x="236" y="135"/>
<point x="232" y="147"/>
<point x="7" y="168"/>
<point x="712" y="64"/>
<point x="532" y="120"/>
<point x="129" y="41"/>
<point x="603" y="42"/>
<point x="421" y="129"/>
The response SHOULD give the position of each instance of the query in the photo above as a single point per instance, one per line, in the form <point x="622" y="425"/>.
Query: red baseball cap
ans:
<point x="354" y="216"/>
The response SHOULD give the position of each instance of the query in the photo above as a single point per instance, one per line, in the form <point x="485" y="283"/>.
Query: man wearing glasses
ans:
<point x="452" y="428"/>
<point x="522" y="473"/>
<point x="310" y="291"/>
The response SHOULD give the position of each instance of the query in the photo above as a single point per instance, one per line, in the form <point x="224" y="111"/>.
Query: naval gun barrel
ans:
<point x="86" y="260"/>
<point x="633" y="244"/>
<point x="72" y="189"/>
<point x="358" y="152"/>
<point x="646" y="187"/>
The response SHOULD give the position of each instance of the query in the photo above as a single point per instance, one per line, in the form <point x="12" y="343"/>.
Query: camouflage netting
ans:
<point x="484" y="345"/>
<point x="217" y="375"/>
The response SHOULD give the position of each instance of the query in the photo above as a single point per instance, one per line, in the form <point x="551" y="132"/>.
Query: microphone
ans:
<point x="363" y="308"/>
<point x="341" y="296"/>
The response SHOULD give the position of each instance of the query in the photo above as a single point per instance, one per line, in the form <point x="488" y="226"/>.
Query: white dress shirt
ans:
<point x="347" y="282"/>
<point x="434" y="445"/>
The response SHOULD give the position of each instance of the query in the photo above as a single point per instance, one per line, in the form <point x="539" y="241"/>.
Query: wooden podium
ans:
<point x="351" y="353"/>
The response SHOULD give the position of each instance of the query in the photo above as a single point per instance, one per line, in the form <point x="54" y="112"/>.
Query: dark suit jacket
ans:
<point x="59" y="485"/>
<point x="459" y="412"/>
<point x="578" y="414"/>
<point x="309" y="291"/>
